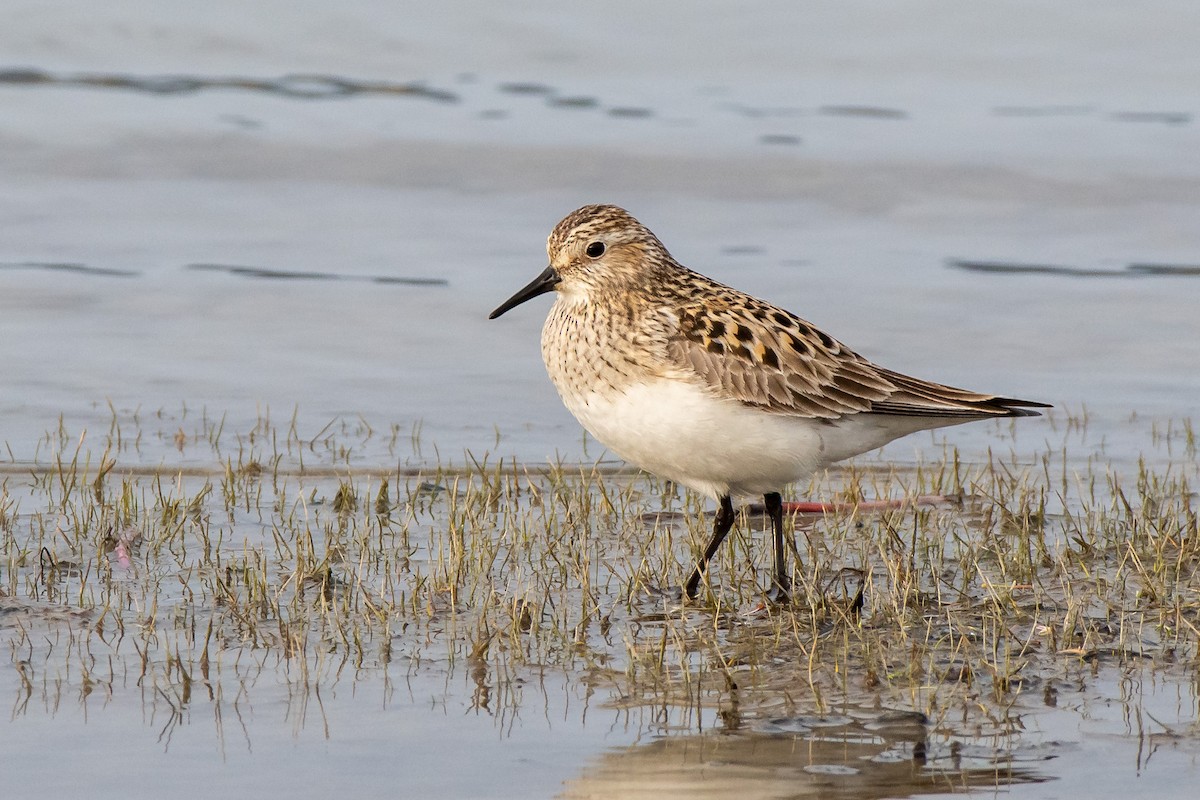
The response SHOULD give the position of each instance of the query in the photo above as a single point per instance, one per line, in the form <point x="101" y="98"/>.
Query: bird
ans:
<point x="709" y="387"/>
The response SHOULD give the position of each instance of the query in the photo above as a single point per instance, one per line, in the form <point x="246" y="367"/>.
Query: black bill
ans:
<point x="540" y="285"/>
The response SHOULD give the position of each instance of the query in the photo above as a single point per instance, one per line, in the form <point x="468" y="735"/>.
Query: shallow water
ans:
<point x="296" y="217"/>
<point x="228" y="622"/>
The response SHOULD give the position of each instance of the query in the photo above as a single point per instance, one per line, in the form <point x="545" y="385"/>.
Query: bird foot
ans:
<point x="780" y="595"/>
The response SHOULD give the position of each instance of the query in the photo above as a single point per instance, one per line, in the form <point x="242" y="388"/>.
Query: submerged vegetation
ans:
<point x="993" y="584"/>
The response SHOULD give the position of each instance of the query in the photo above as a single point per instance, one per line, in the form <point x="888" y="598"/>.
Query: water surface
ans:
<point x="292" y="217"/>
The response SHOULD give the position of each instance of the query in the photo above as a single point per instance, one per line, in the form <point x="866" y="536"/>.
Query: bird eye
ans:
<point x="595" y="249"/>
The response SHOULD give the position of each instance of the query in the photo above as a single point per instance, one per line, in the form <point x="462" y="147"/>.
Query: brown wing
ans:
<point x="770" y="358"/>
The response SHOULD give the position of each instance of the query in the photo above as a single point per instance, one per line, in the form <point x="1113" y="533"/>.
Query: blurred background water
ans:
<point x="835" y="160"/>
<point x="310" y="207"/>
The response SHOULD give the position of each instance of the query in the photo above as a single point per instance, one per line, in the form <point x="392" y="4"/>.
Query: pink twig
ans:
<point x="865" y="505"/>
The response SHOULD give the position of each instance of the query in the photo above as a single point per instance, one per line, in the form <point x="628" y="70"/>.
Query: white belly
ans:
<point x="678" y="431"/>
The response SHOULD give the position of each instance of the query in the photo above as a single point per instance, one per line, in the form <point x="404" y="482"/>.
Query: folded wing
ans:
<point x="769" y="358"/>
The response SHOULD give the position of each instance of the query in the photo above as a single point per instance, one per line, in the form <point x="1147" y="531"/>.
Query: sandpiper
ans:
<point x="709" y="387"/>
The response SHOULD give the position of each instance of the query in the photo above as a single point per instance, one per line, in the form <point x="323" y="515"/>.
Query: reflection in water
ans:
<point x="839" y="761"/>
<point x="239" y="270"/>
<point x="54" y="266"/>
<point x="308" y="275"/>
<point x="308" y="87"/>
<point x="1130" y="271"/>
<point x="868" y="112"/>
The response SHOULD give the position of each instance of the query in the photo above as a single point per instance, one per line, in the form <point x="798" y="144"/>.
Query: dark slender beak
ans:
<point x="540" y="285"/>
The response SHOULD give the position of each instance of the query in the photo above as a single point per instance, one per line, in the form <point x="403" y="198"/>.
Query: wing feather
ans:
<point x="771" y="359"/>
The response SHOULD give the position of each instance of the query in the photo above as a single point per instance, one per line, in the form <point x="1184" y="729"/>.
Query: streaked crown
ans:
<point x="604" y="247"/>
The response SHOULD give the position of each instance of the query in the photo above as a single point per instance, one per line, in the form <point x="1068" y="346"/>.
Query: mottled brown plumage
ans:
<point x="739" y="346"/>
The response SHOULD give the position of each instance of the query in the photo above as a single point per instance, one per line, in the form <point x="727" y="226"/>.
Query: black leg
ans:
<point x="774" y="506"/>
<point x="721" y="526"/>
